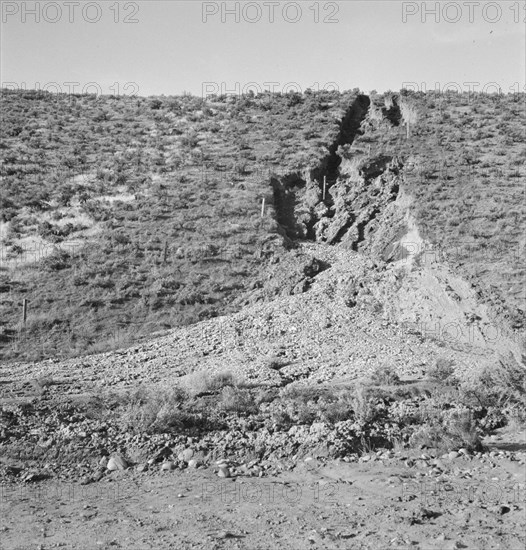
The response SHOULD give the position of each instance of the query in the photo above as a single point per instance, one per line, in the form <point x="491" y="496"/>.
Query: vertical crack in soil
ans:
<point x="351" y="202"/>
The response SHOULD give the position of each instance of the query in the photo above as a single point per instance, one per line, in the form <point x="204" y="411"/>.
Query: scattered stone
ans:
<point x="13" y="470"/>
<point x="97" y="476"/>
<point x="117" y="462"/>
<point x="163" y="454"/>
<point x="223" y="534"/>
<point x="187" y="454"/>
<point x="167" y="466"/>
<point x="455" y="545"/>
<point x="452" y="455"/>
<point x="31" y="477"/>
<point x="224" y="471"/>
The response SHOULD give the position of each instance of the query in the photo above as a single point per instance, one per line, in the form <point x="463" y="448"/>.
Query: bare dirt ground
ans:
<point x="395" y="503"/>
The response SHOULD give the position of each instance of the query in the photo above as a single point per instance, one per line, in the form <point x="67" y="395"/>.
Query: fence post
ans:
<point x="324" y="186"/>
<point x="263" y="207"/>
<point x="24" y="311"/>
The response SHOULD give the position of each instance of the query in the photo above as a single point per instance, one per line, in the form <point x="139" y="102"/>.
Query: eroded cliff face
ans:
<point x="346" y="197"/>
<point x="358" y="201"/>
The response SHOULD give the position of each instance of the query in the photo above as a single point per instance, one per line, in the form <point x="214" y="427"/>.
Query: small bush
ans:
<point x="499" y="393"/>
<point x="385" y="375"/>
<point x="339" y="410"/>
<point x="42" y="382"/>
<point x="442" y="371"/>
<point x="221" y="380"/>
<point x="202" y="382"/>
<point x="154" y="411"/>
<point x="56" y="261"/>
<point x="364" y="405"/>
<point x="450" y="432"/>
<point x="238" y="400"/>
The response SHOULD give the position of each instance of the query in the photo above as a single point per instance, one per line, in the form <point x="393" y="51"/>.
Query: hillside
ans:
<point x="122" y="216"/>
<point x="312" y="298"/>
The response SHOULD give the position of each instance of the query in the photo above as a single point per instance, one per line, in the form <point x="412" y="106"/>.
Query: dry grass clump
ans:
<point x="500" y="392"/>
<point x="238" y="400"/>
<point x="43" y="382"/>
<point x="442" y="371"/>
<point x="203" y="382"/>
<point x="446" y="433"/>
<point x="147" y="410"/>
<point x="384" y="375"/>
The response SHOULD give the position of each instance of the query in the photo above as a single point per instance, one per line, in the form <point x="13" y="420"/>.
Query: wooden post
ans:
<point x="324" y="186"/>
<point x="24" y="311"/>
<point x="263" y="207"/>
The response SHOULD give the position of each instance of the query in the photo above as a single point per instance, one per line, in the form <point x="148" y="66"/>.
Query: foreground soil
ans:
<point x="395" y="503"/>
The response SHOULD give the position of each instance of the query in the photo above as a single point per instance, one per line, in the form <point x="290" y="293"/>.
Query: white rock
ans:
<point x="187" y="454"/>
<point x="117" y="462"/>
<point x="168" y="465"/>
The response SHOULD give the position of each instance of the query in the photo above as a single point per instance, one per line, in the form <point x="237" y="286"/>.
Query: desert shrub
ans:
<point x="340" y="409"/>
<point x="447" y="432"/>
<point x="274" y="362"/>
<point x="375" y="115"/>
<point x="16" y="250"/>
<point x="57" y="260"/>
<point x="364" y="402"/>
<point x="498" y="394"/>
<point x="281" y="419"/>
<point x="302" y="394"/>
<point x="238" y="400"/>
<point x="43" y="382"/>
<point x="442" y="371"/>
<point x="221" y="380"/>
<point x="266" y="395"/>
<point x="202" y="382"/>
<point x="384" y="375"/>
<point x="154" y="411"/>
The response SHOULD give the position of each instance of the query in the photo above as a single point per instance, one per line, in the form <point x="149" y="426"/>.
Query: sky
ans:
<point x="169" y="47"/>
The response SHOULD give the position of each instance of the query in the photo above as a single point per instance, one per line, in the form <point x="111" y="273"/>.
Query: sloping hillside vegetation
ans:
<point x="464" y="165"/>
<point x="122" y="216"/>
